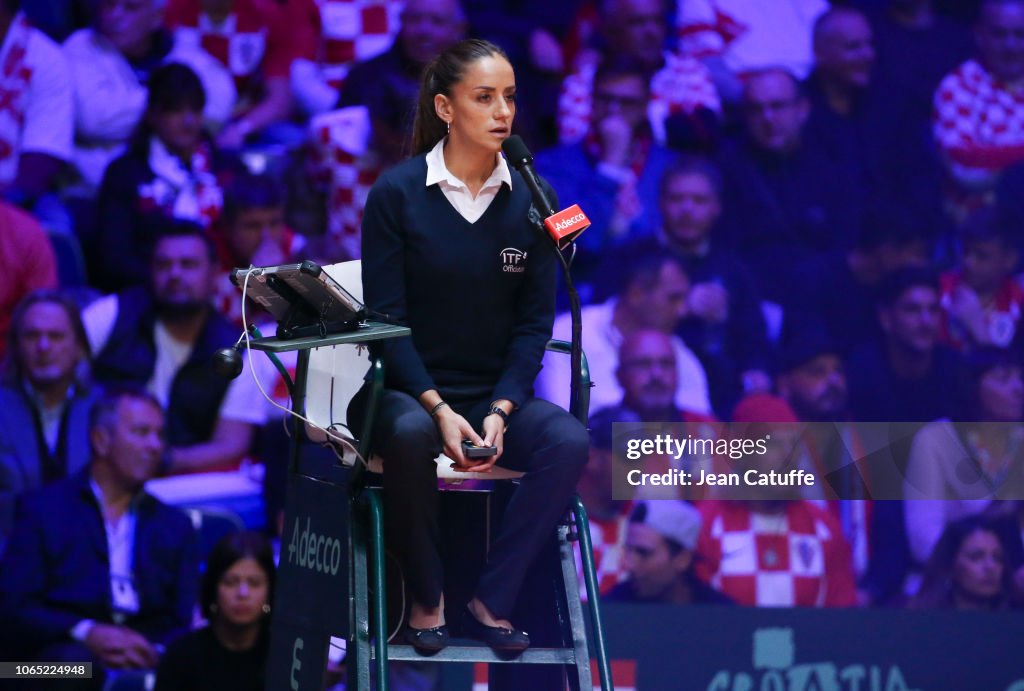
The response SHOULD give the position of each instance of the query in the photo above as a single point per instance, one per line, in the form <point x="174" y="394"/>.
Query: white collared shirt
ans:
<point x="124" y="598"/>
<point x="457" y="192"/>
<point x="121" y="551"/>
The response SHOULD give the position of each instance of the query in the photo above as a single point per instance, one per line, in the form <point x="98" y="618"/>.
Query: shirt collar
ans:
<point x="37" y="400"/>
<point x="97" y="492"/>
<point x="438" y="172"/>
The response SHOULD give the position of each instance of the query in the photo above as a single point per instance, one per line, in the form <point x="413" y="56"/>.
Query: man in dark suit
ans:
<point x="96" y="569"/>
<point x="44" y="400"/>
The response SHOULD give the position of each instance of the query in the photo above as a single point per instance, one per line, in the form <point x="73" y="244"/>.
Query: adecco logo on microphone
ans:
<point x="567" y="224"/>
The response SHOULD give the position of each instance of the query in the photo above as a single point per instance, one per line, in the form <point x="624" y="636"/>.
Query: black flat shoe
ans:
<point x="427" y="640"/>
<point x="498" y="638"/>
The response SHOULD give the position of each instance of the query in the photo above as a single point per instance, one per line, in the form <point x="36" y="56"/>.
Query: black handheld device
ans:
<point x="471" y="450"/>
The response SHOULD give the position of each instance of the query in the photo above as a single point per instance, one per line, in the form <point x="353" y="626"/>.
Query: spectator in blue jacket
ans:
<point x="45" y="398"/>
<point x="96" y="569"/>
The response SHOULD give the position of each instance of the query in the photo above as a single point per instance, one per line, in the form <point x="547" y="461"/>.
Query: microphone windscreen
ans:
<point x="227" y="363"/>
<point x="516" y="151"/>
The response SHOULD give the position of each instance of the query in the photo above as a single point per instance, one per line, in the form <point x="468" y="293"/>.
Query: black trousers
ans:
<point x="543" y="441"/>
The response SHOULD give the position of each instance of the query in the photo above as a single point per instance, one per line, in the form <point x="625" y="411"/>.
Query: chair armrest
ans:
<point x="583" y="400"/>
<point x="377" y="368"/>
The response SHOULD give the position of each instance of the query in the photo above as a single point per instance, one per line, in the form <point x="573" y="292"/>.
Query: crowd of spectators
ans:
<point x="801" y="212"/>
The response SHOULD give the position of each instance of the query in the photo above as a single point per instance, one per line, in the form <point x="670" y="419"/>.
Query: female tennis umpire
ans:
<point x="448" y="250"/>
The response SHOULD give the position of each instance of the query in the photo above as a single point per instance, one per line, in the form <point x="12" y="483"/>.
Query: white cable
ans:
<point x="332" y="436"/>
<point x="401" y="588"/>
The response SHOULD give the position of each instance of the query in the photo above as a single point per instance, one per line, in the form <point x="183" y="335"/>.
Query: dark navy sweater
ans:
<point x="479" y="297"/>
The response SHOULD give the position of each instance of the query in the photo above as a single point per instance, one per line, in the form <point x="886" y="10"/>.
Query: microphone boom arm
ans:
<point x="575" y="317"/>
<point x="521" y="159"/>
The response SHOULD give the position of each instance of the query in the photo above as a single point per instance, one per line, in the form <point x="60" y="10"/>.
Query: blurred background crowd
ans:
<point x="802" y="211"/>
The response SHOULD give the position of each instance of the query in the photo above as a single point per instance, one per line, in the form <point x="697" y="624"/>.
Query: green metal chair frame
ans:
<point x="367" y="621"/>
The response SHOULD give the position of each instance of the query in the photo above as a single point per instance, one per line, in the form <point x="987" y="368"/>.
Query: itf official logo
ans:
<point x="513" y="261"/>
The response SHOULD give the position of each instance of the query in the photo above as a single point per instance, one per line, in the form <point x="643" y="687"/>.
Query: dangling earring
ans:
<point x="449" y="124"/>
<point x="266" y="608"/>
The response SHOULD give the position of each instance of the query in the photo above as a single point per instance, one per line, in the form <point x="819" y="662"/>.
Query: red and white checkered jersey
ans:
<point x="682" y="85"/>
<point x="797" y="557"/>
<point x="252" y="42"/>
<point x="36" y="98"/>
<point x="351" y="31"/>
<point x="979" y="121"/>
<point x="348" y="180"/>
<point x="750" y="34"/>
<point x="345" y="168"/>
<point x="608" y="540"/>
<point x="1001" y="315"/>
